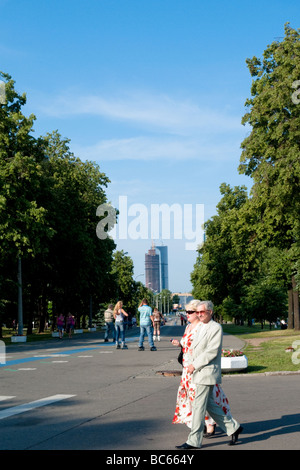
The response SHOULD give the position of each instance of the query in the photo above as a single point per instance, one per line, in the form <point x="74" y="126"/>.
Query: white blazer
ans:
<point x="206" y="354"/>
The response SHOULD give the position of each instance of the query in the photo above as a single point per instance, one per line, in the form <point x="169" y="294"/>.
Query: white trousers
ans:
<point x="204" y="401"/>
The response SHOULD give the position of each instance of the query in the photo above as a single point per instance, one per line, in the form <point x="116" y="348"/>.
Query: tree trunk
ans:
<point x="20" y="299"/>
<point x="296" y="305"/>
<point x="91" y="313"/>
<point x="42" y="312"/>
<point x="291" y="309"/>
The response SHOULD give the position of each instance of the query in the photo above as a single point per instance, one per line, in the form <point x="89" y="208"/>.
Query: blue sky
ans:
<point x="151" y="90"/>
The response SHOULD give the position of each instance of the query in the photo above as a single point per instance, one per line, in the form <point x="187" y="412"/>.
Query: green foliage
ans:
<point x="226" y="260"/>
<point x="123" y="286"/>
<point x="271" y="151"/>
<point x="251" y="252"/>
<point x="23" y="222"/>
<point x="48" y="203"/>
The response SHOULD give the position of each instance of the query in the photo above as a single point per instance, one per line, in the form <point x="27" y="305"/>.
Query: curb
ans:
<point x="265" y="374"/>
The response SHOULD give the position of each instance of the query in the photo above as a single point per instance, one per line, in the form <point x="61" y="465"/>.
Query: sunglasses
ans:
<point x="190" y="312"/>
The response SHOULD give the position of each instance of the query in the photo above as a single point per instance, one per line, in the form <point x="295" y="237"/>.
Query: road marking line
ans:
<point x="3" y="397"/>
<point x="15" y="410"/>
<point x="71" y="351"/>
<point x="52" y="355"/>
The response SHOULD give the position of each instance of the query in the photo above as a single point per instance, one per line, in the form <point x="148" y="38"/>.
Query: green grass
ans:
<point x="269" y="355"/>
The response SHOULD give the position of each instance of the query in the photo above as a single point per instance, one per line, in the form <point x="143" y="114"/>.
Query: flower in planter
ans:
<point x="231" y="353"/>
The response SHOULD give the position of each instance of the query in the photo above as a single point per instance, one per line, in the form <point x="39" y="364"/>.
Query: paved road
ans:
<point x="83" y="394"/>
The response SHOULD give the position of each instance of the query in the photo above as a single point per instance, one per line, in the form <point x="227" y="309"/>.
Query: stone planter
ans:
<point x="92" y="329"/>
<point x="78" y="331"/>
<point x="234" y="364"/>
<point x="55" y="334"/>
<point x="18" y="339"/>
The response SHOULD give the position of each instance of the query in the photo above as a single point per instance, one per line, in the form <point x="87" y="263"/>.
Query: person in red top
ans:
<point x="60" y="322"/>
<point x="70" y="324"/>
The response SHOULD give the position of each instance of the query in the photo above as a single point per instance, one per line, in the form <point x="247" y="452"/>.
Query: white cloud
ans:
<point x="158" y="147"/>
<point x="161" y="127"/>
<point x="153" y="111"/>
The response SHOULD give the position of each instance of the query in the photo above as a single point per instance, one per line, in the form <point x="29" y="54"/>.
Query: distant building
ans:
<point x="185" y="298"/>
<point x="156" y="268"/>
<point x="164" y="276"/>
<point x="152" y="274"/>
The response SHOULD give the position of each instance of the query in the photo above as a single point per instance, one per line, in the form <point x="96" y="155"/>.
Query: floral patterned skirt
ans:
<point x="186" y="396"/>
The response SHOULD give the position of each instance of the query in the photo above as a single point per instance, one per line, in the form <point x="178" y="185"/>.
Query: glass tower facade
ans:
<point x="164" y="277"/>
<point x="152" y="270"/>
<point x="156" y="268"/>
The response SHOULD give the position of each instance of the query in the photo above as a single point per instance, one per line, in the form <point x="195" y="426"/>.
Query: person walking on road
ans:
<point x="70" y="323"/>
<point x="187" y="390"/>
<point x="146" y="322"/>
<point x="205" y="368"/>
<point x="157" y="319"/>
<point x="109" y="323"/>
<point x="60" y="322"/>
<point x="119" y="314"/>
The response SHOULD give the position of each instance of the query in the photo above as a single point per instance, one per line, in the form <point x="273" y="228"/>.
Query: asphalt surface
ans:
<point x="122" y="402"/>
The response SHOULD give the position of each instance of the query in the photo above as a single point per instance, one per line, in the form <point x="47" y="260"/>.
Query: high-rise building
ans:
<point x="164" y="277"/>
<point x="152" y="270"/>
<point x="156" y="268"/>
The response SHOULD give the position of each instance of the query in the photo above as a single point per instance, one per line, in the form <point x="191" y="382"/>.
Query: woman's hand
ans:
<point x="190" y="369"/>
<point x="175" y="342"/>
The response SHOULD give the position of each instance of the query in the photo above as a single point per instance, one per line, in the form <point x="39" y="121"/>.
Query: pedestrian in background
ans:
<point x="157" y="319"/>
<point x="60" y="323"/>
<point x="109" y="323"/>
<point x="70" y="323"/>
<point x="146" y="322"/>
<point x="119" y="315"/>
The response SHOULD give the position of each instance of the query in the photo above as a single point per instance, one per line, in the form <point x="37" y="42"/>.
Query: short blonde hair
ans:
<point x="192" y="305"/>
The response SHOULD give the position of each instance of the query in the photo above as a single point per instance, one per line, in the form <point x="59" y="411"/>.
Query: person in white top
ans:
<point x="119" y="314"/>
<point x="205" y="368"/>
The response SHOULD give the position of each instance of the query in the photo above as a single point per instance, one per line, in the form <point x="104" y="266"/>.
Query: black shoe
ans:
<point x="141" y="348"/>
<point x="153" y="349"/>
<point x="106" y="340"/>
<point x="210" y="434"/>
<point x="186" y="446"/>
<point x="235" y="436"/>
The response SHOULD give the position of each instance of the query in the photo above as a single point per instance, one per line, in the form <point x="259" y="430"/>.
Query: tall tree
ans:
<point x="122" y="274"/>
<point x="79" y="261"/>
<point x="48" y="220"/>
<point x="270" y="153"/>
<point x="227" y="260"/>
<point x="23" y="223"/>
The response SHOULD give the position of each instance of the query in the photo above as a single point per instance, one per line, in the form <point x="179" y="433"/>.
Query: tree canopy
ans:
<point x="48" y="203"/>
<point x="252" y="246"/>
